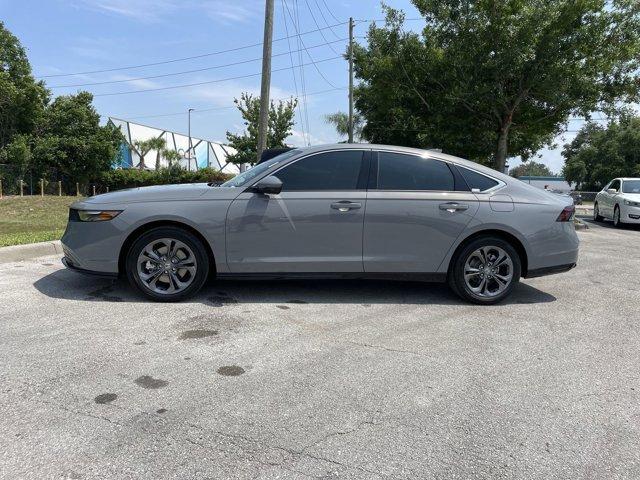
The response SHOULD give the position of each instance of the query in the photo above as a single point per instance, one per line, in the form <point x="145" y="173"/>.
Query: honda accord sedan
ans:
<point x="619" y="200"/>
<point x="338" y="211"/>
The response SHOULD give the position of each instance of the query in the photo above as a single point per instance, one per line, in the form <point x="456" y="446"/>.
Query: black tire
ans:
<point x="617" y="222"/>
<point x="596" y="213"/>
<point x="456" y="274"/>
<point x="198" y="250"/>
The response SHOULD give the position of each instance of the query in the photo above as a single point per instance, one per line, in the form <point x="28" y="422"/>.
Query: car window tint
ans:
<point x="397" y="171"/>
<point x="477" y="180"/>
<point x="325" y="171"/>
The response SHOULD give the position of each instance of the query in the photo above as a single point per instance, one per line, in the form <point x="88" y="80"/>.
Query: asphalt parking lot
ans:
<point x="324" y="379"/>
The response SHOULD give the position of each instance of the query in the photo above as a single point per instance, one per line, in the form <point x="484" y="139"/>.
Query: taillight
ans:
<point x="566" y="215"/>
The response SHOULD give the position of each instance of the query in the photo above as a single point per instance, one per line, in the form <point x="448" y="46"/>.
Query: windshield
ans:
<point x="631" y="186"/>
<point x="246" y="177"/>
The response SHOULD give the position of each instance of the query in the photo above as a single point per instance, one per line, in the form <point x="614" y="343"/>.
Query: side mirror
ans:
<point x="612" y="191"/>
<point x="270" y="185"/>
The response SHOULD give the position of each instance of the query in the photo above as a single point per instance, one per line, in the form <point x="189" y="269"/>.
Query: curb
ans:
<point x="20" y="253"/>
<point x="580" y="225"/>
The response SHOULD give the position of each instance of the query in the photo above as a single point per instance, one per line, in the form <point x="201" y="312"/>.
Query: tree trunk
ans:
<point x="158" y="160"/>
<point x="501" y="150"/>
<point x="141" y="165"/>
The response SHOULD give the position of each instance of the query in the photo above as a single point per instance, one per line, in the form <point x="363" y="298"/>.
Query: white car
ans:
<point x="619" y="201"/>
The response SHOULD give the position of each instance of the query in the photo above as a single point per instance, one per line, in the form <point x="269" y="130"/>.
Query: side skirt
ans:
<point x="415" y="277"/>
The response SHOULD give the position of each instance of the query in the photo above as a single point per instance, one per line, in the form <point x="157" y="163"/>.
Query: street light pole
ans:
<point x="189" y="128"/>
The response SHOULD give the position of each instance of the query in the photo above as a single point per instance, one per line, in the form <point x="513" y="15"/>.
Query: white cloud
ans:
<point x="149" y="11"/>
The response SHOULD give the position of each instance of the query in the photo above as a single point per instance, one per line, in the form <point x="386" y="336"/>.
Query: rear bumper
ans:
<point x="541" y="272"/>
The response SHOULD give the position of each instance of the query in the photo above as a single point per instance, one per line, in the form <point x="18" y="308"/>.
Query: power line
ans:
<point x="324" y="19"/>
<point x="329" y="10"/>
<point x="158" y="89"/>
<point x="293" y="73"/>
<point x="241" y="62"/>
<point x="306" y="49"/>
<point x="182" y="59"/>
<point x="318" y="27"/>
<point x="303" y="83"/>
<point x="214" y="109"/>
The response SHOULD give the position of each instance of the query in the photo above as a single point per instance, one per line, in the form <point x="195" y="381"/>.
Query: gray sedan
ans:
<point x="338" y="211"/>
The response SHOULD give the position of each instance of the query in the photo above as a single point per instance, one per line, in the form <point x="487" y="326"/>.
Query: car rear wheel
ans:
<point x="167" y="264"/>
<point x="485" y="270"/>
<point x="596" y="213"/>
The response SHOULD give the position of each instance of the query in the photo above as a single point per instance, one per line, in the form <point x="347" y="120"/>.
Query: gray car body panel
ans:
<point x="298" y="232"/>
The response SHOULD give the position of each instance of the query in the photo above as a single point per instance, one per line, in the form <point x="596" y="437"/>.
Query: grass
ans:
<point x="33" y="219"/>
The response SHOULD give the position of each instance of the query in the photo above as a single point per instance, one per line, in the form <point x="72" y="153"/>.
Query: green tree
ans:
<point x="340" y="121"/>
<point x="70" y="139"/>
<point x="281" y="120"/>
<point x="531" y="168"/>
<point x="488" y="79"/>
<point x="22" y="99"/>
<point x="598" y="154"/>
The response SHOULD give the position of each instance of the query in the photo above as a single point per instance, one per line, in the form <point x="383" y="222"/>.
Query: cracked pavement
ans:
<point x="325" y="379"/>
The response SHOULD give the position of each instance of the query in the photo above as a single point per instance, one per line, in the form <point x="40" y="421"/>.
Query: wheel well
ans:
<point x="507" y="237"/>
<point x="162" y="223"/>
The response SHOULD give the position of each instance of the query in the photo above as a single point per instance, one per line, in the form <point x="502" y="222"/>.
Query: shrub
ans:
<point x="131" y="178"/>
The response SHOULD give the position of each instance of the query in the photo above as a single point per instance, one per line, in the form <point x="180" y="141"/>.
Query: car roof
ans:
<point x="410" y="150"/>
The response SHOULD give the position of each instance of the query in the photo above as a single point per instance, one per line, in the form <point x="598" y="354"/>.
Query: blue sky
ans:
<point x="69" y="36"/>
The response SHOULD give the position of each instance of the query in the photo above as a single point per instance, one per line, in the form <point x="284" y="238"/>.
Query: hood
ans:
<point x="156" y="193"/>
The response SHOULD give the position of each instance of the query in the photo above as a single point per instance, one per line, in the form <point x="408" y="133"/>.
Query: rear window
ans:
<point x="477" y="180"/>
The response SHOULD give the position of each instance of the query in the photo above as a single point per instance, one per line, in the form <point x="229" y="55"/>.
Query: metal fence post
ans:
<point x="21" y="188"/>
<point x="0" y="188"/>
<point x="107" y="189"/>
<point x="94" y="189"/>
<point x="59" y="188"/>
<point x="42" y="187"/>
<point x="77" y="189"/>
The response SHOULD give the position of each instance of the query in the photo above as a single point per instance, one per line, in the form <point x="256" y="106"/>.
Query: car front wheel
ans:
<point x="616" y="217"/>
<point x="485" y="271"/>
<point x="596" y="213"/>
<point x="167" y="264"/>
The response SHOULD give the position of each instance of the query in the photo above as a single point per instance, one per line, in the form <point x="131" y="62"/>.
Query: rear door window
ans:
<point x="476" y="180"/>
<point x="398" y="171"/>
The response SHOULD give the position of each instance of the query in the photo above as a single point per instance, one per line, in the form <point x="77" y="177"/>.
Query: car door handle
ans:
<point x="453" y="207"/>
<point x="345" y="206"/>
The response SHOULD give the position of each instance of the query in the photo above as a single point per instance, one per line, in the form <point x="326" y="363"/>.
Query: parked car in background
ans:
<point x="345" y="211"/>
<point x="619" y="201"/>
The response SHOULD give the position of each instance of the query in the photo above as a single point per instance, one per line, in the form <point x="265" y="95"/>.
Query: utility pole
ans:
<point x="189" y="128"/>
<point x="266" y="78"/>
<point x="351" y="80"/>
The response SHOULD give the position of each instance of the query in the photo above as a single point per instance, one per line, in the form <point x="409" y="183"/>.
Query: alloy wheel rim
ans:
<point x="166" y="266"/>
<point x="488" y="271"/>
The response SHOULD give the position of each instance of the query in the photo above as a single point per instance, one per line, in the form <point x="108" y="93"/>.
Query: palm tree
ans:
<point x="145" y="146"/>
<point x="340" y="121"/>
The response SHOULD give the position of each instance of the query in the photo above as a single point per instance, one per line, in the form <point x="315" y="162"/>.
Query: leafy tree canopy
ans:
<point x="280" y="123"/>
<point x="599" y="154"/>
<point x="531" y="168"/>
<point x="488" y="79"/>
<point x="70" y="139"/>
<point x="340" y="120"/>
<point x="22" y="99"/>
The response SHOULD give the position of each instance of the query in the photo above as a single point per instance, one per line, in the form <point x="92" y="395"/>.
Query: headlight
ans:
<point x="632" y="204"/>
<point x="95" y="215"/>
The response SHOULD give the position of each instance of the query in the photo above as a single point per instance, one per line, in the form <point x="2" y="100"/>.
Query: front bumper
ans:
<point x="630" y="214"/>
<point x="69" y="264"/>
